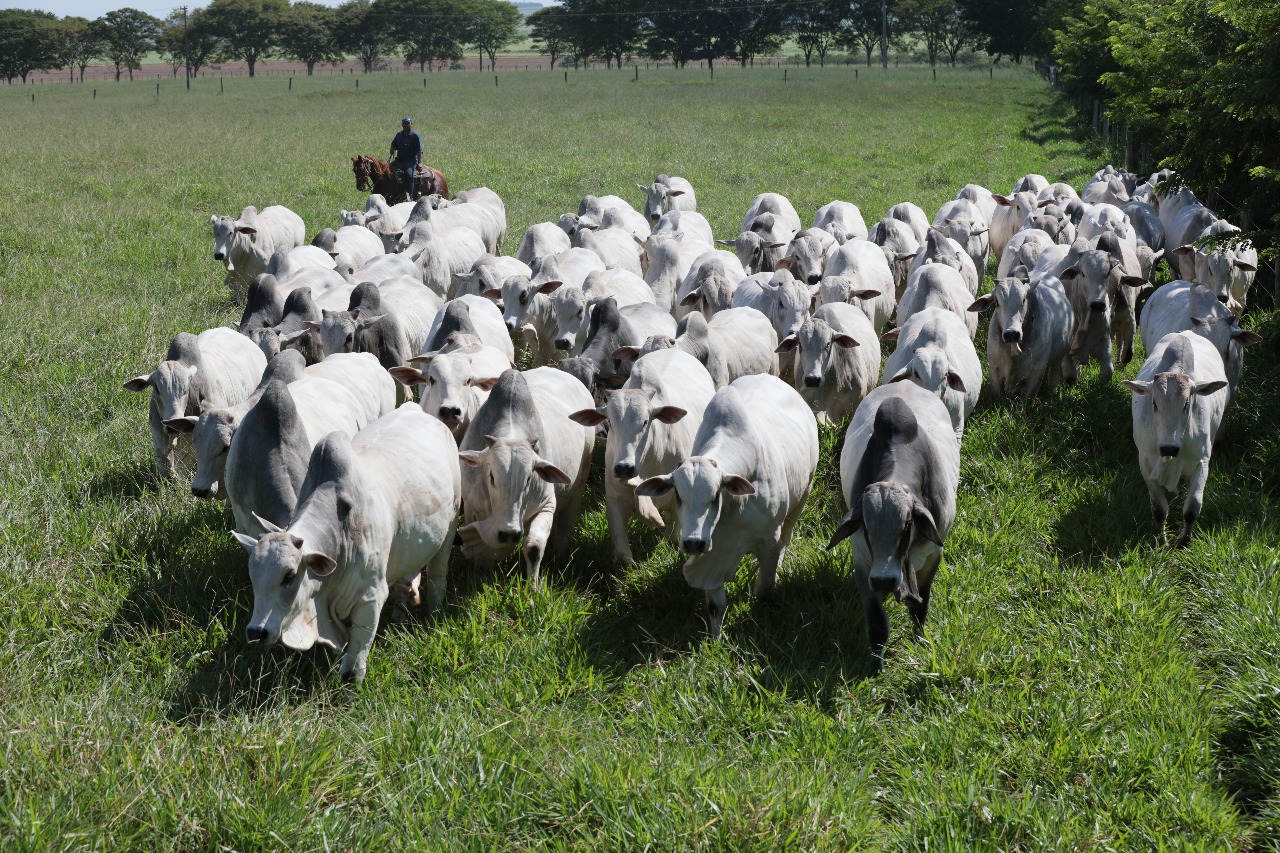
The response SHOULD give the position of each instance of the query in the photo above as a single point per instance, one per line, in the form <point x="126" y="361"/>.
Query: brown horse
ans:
<point x="375" y="175"/>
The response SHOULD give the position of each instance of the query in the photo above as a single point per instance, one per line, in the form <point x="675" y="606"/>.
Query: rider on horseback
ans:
<point x="406" y="154"/>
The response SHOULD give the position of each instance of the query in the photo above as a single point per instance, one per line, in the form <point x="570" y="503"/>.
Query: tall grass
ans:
<point x="1079" y="685"/>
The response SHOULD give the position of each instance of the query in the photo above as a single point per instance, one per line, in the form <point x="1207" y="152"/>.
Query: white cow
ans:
<point x="652" y="419"/>
<point x="775" y="204"/>
<point x="375" y="511"/>
<point x="735" y="342"/>
<point x="941" y="249"/>
<point x="525" y="467"/>
<point x="838" y="359"/>
<point x="670" y="259"/>
<point x="743" y="487"/>
<point x="688" y="223"/>
<point x="540" y="240"/>
<point x="442" y="255"/>
<point x="709" y="285"/>
<point x="1179" y="399"/>
<point x="353" y="244"/>
<point x="858" y="273"/>
<point x="779" y="297"/>
<point x="937" y="286"/>
<point x="458" y="379"/>
<point x="842" y="220"/>
<point x="216" y="369"/>
<point x="665" y="194"/>
<point x="1029" y="335"/>
<point x="935" y="351"/>
<point x="963" y="221"/>
<point x="246" y="244"/>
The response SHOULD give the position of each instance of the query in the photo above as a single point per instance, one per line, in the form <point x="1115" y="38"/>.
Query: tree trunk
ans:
<point x="311" y="68"/>
<point x="252" y="63"/>
<point x="118" y="72"/>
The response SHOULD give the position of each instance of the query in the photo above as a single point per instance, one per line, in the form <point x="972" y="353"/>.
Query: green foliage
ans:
<point x="191" y="38"/>
<point x="28" y="41"/>
<point x="127" y="36"/>
<point x="249" y="29"/>
<point x="306" y="33"/>
<point x="552" y="33"/>
<point x="491" y="26"/>
<point x="430" y="32"/>
<point x="366" y="30"/>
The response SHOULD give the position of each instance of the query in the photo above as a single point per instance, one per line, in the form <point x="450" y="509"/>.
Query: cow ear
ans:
<point x="1185" y="250"/>
<point x="1138" y="386"/>
<point x="246" y="540"/>
<point x="626" y="353"/>
<point x="904" y="373"/>
<point x="492" y="293"/>
<point x="1209" y="387"/>
<point x="312" y="325"/>
<point x="1045" y="203"/>
<point x="1133" y="280"/>
<point x="407" y="375"/>
<point x="485" y="384"/>
<point x="1001" y="200"/>
<point x="788" y="343"/>
<point x="982" y="303"/>
<point x="727" y="242"/>
<point x="589" y="417"/>
<point x="186" y="424"/>
<point x="954" y="382"/>
<point x="924" y="522"/>
<point x="692" y="298"/>
<point x="675" y="192"/>
<point x="320" y="565"/>
<point x="642" y="188"/>
<point x="845" y="341"/>
<point x="613" y="381"/>
<point x="551" y="473"/>
<point x="423" y="359"/>
<point x="739" y="487"/>
<point x="655" y="487"/>
<point x="246" y="229"/>
<point x="549" y="287"/>
<point x="267" y="525"/>
<point x="138" y="383"/>
<point x="847" y="527"/>
<point x="1246" y="338"/>
<point x="865" y="294"/>
<point x="470" y="458"/>
<point x="784" y="264"/>
<point x="891" y="335"/>
<point x="1069" y="274"/>
<point x="669" y="414"/>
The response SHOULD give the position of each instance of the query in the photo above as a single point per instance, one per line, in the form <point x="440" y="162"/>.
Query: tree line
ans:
<point x="433" y="34"/>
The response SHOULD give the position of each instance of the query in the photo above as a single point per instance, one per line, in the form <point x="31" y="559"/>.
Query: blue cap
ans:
<point x="406" y="120"/>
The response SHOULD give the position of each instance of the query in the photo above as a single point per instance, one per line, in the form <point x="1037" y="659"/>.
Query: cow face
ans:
<point x="519" y="484"/>
<point x="286" y="577"/>
<point x="818" y="344"/>
<point x="632" y="415"/>
<point x="1171" y="395"/>
<point x="170" y="386"/>
<point x="224" y="227"/>
<point x="570" y="307"/>
<point x="893" y="520"/>
<point x="700" y="487"/>
<point x="931" y="370"/>
<point x="211" y="434"/>
<point x="454" y="392"/>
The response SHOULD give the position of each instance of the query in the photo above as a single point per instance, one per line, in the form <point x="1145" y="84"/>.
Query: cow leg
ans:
<point x="535" y="545"/>
<point x="1104" y="361"/>
<point x="1159" y="505"/>
<point x="1069" y="370"/>
<point x="924" y="584"/>
<point x="436" y="574"/>
<point x="617" y="511"/>
<point x="1195" y="500"/>
<point x="364" y="625"/>
<point x="877" y="622"/>
<point x="717" y="603"/>
<point x="769" y="556"/>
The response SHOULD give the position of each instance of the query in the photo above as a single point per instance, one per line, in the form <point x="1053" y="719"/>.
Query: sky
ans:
<point x="97" y="8"/>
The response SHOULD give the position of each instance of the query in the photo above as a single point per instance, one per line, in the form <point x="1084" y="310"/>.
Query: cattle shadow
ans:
<point x="129" y="482"/>
<point x="1248" y="751"/>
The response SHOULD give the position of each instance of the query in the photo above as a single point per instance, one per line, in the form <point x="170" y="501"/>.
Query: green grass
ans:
<point x="1079" y="687"/>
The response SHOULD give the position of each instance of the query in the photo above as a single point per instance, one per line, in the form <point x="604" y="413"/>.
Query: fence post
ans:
<point x="290" y="84"/>
<point x="220" y="89"/>
<point x="495" y="81"/>
<point x="95" y="94"/>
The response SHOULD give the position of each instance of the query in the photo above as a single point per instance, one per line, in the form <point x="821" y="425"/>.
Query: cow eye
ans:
<point x="579" y="313"/>
<point x="492" y="480"/>
<point x="288" y="577"/>
<point x="524" y="298"/>
<point x="431" y="380"/>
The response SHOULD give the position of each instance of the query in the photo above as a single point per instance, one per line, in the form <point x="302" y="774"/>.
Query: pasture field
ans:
<point x="1079" y="687"/>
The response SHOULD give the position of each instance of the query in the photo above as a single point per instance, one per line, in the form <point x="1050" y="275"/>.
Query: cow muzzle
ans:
<point x="1012" y="336"/>
<point x="1097" y="306"/>
<point x="450" y="414"/>
<point x="256" y="634"/>
<point x="814" y="279"/>
<point x="1169" y="451"/>
<point x="625" y="470"/>
<point x="695" y="546"/>
<point x="812" y="381"/>
<point x="509" y="536"/>
<point x="201" y="492"/>
<point x="885" y="583"/>
<point x="218" y="256"/>
<point x="564" y="343"/>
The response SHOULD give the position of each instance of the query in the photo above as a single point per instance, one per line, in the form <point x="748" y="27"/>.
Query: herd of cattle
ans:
<point x="705" y="370"/>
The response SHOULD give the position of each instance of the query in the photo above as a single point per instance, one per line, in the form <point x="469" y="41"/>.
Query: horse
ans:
<point x="375" y="175"/>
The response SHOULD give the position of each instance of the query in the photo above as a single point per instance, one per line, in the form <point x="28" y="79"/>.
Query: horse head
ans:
<point x="362" y="169"/>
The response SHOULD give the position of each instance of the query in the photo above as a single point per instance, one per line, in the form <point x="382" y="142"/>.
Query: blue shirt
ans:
<point x="407" y="147"/>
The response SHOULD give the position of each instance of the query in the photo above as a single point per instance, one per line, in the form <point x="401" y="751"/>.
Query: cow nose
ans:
<point x="1097" y="306"/>
<point x="624" y="469"/>
<point x="217" y="256"/>
<point x="1170" y="450"/>
<point x="1222" y="298"/>
<point x="814" y="279"/>
<point x="256" y="634"/>
<point x="201" y="493"/>
<point x="450" y="413"/>
<point x="812" y="381"/>
<point x="563" y="343"/>
<point x="654" y="217"/>
<point x="694" y="546"/>
<point x="1012" y="335"/>
<point x="884" y="584"/>
<point x="511" y="326"/>
<point x="508" y="536"/>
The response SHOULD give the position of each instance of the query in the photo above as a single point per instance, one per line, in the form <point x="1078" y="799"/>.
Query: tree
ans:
<point x="605" y="28"/>
<point x="430" y="32"/>
<point x="862" y="25"/>
<point x="75" y="45"/>
<point x="684" y="36"/>
<point x="190" y="39"/>
<point x="249" y="29"/>
<point x="939" y="24"/>
<point x="491" y="26"/>
<point x="27" y="42"/>
<point x="754" y="30"/>
<point x="127" y="36"/>
<point x="1008" y="27"/>
<point x="815" y="28"/>
<point x="365" y="29"/>
<point x="550" y="31"/>
<point x="306" y="34"/>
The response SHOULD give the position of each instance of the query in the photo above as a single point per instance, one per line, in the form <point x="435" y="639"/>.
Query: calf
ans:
<point x="859" y="274"/>
<point x="1029" y="335"/>
<point x="743" y="486"/>
<point x="374" y="511"/>
<point x="898" y="474"/>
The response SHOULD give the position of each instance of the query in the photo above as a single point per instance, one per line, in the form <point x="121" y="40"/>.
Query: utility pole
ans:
<point x="884" y="34"/>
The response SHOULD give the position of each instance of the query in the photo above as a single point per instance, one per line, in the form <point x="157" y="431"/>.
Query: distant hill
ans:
<point x="527" y="8"/>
